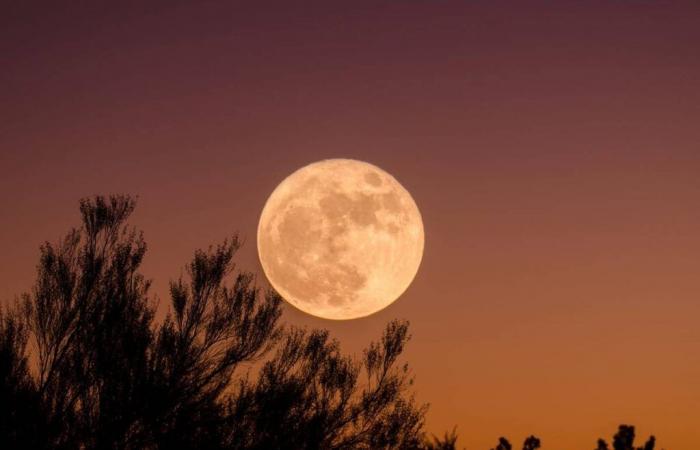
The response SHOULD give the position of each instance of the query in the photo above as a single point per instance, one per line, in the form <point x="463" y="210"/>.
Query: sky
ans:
<point x="553" y="149"/>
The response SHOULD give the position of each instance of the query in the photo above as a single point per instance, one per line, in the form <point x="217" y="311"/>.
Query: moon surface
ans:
<point x="340" y="239"/>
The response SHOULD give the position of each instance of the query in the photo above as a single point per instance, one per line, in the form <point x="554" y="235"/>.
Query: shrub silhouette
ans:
<point x="447" y="442"/>
<point x="503" y="444"/>
<point x="531" y="443"/>
<point x="624" y="440"/>
<point x="107" y="375"/>
<point x="84" y="363"/>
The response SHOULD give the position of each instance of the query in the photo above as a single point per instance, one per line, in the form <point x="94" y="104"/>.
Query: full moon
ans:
<point x="340" y="239"/>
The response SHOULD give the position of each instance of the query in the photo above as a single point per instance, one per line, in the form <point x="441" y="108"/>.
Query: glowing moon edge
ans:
<point x="340" y="239"/>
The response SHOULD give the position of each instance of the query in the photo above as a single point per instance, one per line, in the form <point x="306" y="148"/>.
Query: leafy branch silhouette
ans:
<point x="85" y="364"/>
<point x="108" y="375"/>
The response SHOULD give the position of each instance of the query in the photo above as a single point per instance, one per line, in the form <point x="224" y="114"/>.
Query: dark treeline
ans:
<point x="84" y="363"/>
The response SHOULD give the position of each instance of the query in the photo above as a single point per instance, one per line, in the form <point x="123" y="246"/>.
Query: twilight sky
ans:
<point x="552" y="147"/>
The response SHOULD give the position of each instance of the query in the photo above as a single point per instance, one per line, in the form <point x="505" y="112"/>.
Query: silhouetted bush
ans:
<point x="624" y="440"/>
<point x="448" y="442"/>
<point x="531" y="443"/>
<point x="84" y="363"/>
<point x="108" y="375"/>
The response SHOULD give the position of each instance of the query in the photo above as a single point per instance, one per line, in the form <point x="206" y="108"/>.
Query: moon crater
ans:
<point x="340" y="239"/>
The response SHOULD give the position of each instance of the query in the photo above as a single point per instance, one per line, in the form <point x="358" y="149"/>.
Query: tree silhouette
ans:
<point x="447" y="442"/>
<point x="85" y="364"/>
<point x="531" y="443"/>
<point x="91" y="320"/>
<point x="19" y="404"/>
<point x="624" y="440"/>
<point x="503" y="444"/>
<point x="108" y="375"/>
<point x="310" y="396"/>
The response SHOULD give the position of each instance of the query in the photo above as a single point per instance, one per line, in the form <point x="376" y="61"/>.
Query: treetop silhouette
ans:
<point x="85" y="364"/>
<point x="108" y="375"/>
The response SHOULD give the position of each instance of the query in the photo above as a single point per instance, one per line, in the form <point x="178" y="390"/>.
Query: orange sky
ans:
<point x="552" y="147"/>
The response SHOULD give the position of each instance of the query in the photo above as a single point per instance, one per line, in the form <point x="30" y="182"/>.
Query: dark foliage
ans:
<point x="624" y="440"/>
<point x="311" y="396"/>
<point x="20" y="414"/>
<point x="106" y="374"/>
<point x="503" y="444"/>
<point x="448" y="442"/>
<point x="531" y="443"/>
<point x="84" y="363"/>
